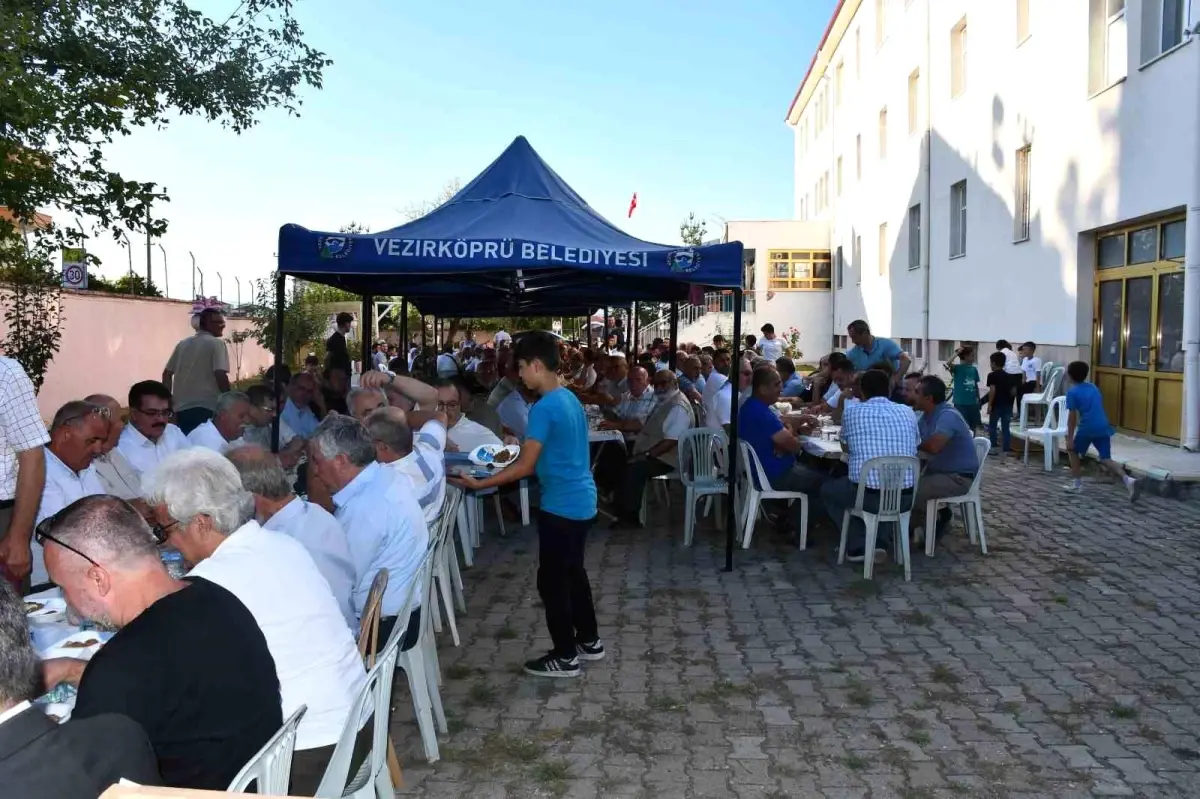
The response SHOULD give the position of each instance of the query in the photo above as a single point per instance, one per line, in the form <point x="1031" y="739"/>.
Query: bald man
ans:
<point x="116" y="474"/>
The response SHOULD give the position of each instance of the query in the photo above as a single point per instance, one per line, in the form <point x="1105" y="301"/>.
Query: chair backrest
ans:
<point x="1047" y="370"/>
<point x="1056" y="417"/>
<point x="701" y="455"/>
<point x="271" y="768"/>
<point x="368" y="627"/>
<point x="1054" y="382"/>
<point x="376" y="693"/>
<point x="982" y="447"/>
<point x="751" y="468"/>
<point x="892" y="472"/>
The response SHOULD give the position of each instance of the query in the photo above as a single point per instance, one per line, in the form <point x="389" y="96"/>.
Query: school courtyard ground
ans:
<point x="1064" y="663"/>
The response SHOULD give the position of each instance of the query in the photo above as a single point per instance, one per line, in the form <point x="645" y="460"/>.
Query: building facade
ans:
<point x="1015" y="169"/>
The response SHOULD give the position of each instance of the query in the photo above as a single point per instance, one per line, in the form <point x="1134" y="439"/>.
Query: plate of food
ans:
<point x="45" y="610"/>
<point x="81" y="645"/>
<point x="491" y="456"/>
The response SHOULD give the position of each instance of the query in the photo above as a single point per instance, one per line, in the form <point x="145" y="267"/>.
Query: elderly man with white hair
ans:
<point x="232" y="414"/>
<point x="378" y="509"/>
<point x="199" y="501"/>
<point x="420" y="456"/>
<point x="362" y="401"/>
<point x="277" y="508"/>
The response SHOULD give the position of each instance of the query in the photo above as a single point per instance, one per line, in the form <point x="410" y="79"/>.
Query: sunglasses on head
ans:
<point x="41" y="534"/>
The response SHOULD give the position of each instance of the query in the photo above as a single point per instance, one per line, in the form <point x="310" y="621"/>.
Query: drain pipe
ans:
<point x="927" y="206"/>
<point x="1191" y="287"/>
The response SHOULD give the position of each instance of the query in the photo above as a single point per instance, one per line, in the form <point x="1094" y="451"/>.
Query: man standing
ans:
<point x="952" y="462"/>
<point x="198" y="371"/>
<point x="150" y="436"/>
<point x="556" y="448"/>
<point x="77" y="436"/>
<point x="22" y="469"/>
<point x="231" y="416"/>
<point x="869" y="350"/>
<point x="770" y="345"/>
<point x="337" y="355"/>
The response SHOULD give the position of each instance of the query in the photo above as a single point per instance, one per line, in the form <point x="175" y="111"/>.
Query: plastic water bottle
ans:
<point x="173" y="560"/>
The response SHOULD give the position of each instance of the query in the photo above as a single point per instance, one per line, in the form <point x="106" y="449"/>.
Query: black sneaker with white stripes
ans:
<point x="551" y="666"/>
<point x="591" y="652"/>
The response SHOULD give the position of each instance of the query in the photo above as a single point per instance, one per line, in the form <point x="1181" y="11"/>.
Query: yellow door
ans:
<point x="1138" y="348"/>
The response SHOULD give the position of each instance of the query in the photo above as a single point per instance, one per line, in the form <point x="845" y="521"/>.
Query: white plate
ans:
<point x="486" y="455"/>
<point x="51" y="609"/>
<point x="62" y="650"/>
<point x="58" y="711"/>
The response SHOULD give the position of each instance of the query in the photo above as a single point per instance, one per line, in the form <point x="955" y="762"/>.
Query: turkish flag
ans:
<point x="632" y="205"/>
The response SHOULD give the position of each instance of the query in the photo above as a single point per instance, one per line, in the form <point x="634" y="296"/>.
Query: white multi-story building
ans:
<point x="1017" y="169"/>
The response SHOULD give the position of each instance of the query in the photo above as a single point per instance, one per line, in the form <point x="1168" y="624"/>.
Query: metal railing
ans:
<point x="715" y="302"/>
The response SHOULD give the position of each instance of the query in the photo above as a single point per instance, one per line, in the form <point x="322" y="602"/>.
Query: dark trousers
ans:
<point x="562" y="582"/>
<point x="189" y="420"/>
<point x="636" y="477"/>
<point x="840" y="495"/>
<point x="410" y="635"/>
<point x="308" y="765"/>
<point x="1003" y="418"/>
<point x="808" y="482"/>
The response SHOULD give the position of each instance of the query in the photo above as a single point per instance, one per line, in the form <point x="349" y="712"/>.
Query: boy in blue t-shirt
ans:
<point x="1087" y="426"/>
<point x="556" y="448"/>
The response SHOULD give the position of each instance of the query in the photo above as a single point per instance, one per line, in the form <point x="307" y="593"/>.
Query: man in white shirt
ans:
<point x="447" y="364"/>
<point x="501" y="338"/>
<point x="278" y="509"/>
<point x="770" y="346"/>
<point x="721" y="399"/>
<point x="464" y="434"/>
<point x="22" y="467"/>
<point x="378" y="510"/>
<point x="713" y="382"/>
<point x="198" y="371"/>
<point x="1012" y="363"/>
<point x="231" y="415"/>
<point x="420" y="456"/>
<point x="77" y="436"/>
<point x="116" y="474"/>
<point x="150" y="437"/>
<point x="514" y="411"/>
<point x="263" y="409"/>
<point x="199" y="500"/>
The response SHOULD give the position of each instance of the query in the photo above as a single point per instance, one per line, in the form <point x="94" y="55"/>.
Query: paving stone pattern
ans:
<point x="1065" y="663"/>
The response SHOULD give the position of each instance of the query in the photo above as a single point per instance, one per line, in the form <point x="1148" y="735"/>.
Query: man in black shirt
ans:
<point x="336" y="354"/>
<point x="188" y="662"/>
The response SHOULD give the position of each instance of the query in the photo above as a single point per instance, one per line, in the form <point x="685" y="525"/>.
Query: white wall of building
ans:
<point x="1097" y="160"/>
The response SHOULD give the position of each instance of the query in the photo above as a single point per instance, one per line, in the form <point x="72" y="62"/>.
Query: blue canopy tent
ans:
<point x="515" y="241"/>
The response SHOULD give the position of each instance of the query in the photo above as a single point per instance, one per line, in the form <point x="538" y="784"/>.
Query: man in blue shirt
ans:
<point x="1087" y="427"/>
<point x="793" y="384"/>
<point x="302" y="389"/>
<point x="869" y="350"/>
<point x="775" y="444"/>
<point x="950" y="445"/>
<point x="556" y="448"/>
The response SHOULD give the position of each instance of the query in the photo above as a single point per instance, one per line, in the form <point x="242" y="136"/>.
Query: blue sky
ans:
<point x="682" y="102"/>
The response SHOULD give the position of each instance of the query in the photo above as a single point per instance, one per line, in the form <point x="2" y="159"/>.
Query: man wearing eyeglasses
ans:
<point x="77" y="437"/>
<point x="464" y="435"/>
<point x="149" y="437"/>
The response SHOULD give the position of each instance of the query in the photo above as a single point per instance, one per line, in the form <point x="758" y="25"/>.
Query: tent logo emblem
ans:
<point x="683" y="261"/>
<point x="335" y="246"/>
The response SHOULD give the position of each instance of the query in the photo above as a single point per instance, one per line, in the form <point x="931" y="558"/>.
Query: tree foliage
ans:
<point x="33" y="309"/>
<point x="418" y="210"/>
<point x="304" y="321"/>
<point x="78" y="74"/>
<point x="692" y="230"/>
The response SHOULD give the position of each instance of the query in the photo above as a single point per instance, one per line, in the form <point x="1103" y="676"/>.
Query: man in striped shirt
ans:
<point x="414" y="444"/>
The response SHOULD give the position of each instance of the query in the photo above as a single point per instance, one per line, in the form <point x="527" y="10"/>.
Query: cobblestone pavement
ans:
<point x="1064" y="663"/>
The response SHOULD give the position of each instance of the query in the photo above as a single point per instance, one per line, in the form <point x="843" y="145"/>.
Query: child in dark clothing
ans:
<point x="1002" y="388"/>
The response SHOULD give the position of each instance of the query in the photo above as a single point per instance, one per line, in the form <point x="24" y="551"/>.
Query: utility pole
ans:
<point x="129" y="250"/>
<point x="220" y="288"/>
<point x="148" y="246"/>
<point x="193" y="274"/>
<point x="239" y="290"/>
<point x="166" y="274"/>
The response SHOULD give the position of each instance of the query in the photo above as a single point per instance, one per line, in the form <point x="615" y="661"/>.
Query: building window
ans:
<point x="880" y="22"/>
<point x="857" y="260"/>
<point x="914" y="236"/>
<point x="1110" y="251"/>
<point x="958" y="58"/>
<point x="945" y="350"/>
<point x="1108" y="44"/>
<point x="958" y="219"/>
<point x="1143" y="246"/>
<point x="1021" y="198"/>
<point x="825" y="189"/>
<point x="918" y="350"/>
<point x="839" y="176"/>
<point x="882" y="134"/>
<point x="858" y="157"/>
<point x="1022" y="20"/>
<point x="799" y="270"/>
<point x="837" y="84"/>
<point x="819" y="123"/>
<point x="840" y="265"/>
<point x="1172" y="240"/>
<point x="884" y="249"/>
<point x="858" y="53"/>
<point x="914" y="100"/>
<point x="1163" y="25"/>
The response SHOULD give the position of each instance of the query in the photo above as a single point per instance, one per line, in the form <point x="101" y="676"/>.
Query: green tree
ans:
<point x="692" y="230"/>
<point x="79" y="74"/>
<point x="33" y="307"/>
<point x="303" y="320"/>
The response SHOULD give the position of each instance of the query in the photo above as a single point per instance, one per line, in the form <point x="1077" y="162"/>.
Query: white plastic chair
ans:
<point x="892" y="472"/>
<point x="753" y="488"/>
<point x="445" y="566"/>
<point x="970" y="505"/>
<point x="1049" y="433"/>
<point x="372" y="780"/>
<point x="701" y="460"/>
<point x="420" y="663"/>
<point x="1047" y="370"/>
<point x="271" y="768"/>
<point x="1044" y="397"/>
